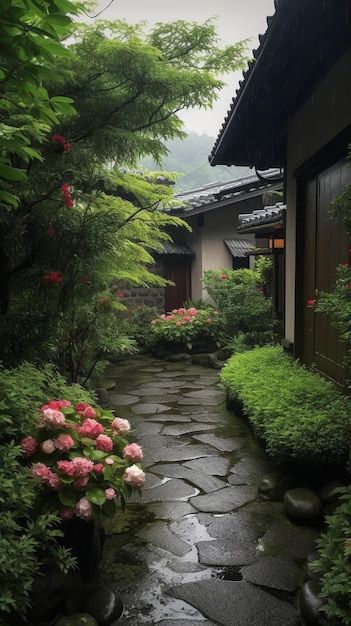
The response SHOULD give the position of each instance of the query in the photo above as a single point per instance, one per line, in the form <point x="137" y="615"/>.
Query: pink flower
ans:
<point x="178" y="323"/>
<point x="99" y="468"/>
<point x="311" y="302"/>
<point x="53" y="418"/>
<point x="54" y="481"/>
<point x="85" y="409"/>
<point x="82" y="466"/>
<point x="120" y="294"/>
<point x="41" y="471"/>
<point x="67" y="147"/>
<point x="120" y="426"/>
<point x="91" y="428"/>
<point x="344" y="264"/>
<point x="134" y="476"/>
<point x="174" y="311"/>
<point x="64" y="442"/>
<point x="209" y="321"/>
<point x="153" y="321"/>
<point x="215" y="313"/>
<point x="109" y="461"/>
<point x="110" y="493"/>
<point x="84" y="508"/>
<point x="29" y="445"/>
<point x="260" y="289"/>
<point x="133" y="452"/>
<point x="104" y="443"/>
<point x="66" y="512"/>
<point x="192" y="311"/>
<point x="224" y="275"/>
<point x="181" y="311"/>
<point x="66" y="467"/>
<point x="55" y="404"/>
<point x="48" y="446"/>
<point x="58" y="139"/>
<point x="81" y="482"/>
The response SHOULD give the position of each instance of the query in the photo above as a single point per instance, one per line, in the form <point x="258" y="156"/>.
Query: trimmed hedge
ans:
<point x="299" y="416"/>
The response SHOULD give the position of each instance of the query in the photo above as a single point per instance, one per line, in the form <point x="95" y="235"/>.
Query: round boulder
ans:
<point x="302" y="504"/>
<point x="310" y="603"/>
<point x="103" y="605"/>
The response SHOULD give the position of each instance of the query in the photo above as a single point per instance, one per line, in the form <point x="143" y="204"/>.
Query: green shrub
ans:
<point x="243" y="306"/>
<point x="26" y="537"/>
<point x="334" y="563"/>
<point x="135" y="323"/>
<point x="300" y="417"/>
<point x="184" y="329"/>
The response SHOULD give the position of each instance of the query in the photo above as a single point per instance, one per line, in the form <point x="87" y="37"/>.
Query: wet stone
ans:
<point x="171" y="510"/>
<point x="213" y="465"/>
<point x="284" y="538"/>
<point x="227" y="552"/>
<point x="238" y="603"/>
<point x="221" y="444"/>
<point x="240" y="525"/>
<point x="159" y="535"/>
<point x="310" y="603"/>
<point x="302" y="504"/>
<point x="272" y="571"/>
<point x="208" y="392"/>
<point x="149" y="407"/>
<point x="118" y="399"/>
<point x="204" y="482"/>
<point x="234" y="498"/>
<point x="170" y="417"/>
<point x="103" y="605"/>
<point x="171" y="490"/>
<point x="184" y="429"/>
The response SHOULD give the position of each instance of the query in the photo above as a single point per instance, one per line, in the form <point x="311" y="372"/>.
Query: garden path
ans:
<point x="200" y="547"/>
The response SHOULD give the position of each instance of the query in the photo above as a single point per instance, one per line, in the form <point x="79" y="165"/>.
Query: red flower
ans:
<point x="348" y="285"/>
<point x="344" y="264"/>
<point x="53" y="277"/>
<point x="311" y="302"/>
<point x="50" y="231"/>
<point x="260" y="289"/>
<point x="59" y="139"/>
<point x="120" y="294"/>
<point x="224" y="275"/>
<point x="67" y="147"/>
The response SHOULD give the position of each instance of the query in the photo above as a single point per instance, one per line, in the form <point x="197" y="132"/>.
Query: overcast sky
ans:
<point x="235" y="20"/>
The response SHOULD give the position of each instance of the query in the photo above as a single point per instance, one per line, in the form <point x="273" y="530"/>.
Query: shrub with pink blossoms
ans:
<point x="182" y="329"/>
<point x="80" y="456"/>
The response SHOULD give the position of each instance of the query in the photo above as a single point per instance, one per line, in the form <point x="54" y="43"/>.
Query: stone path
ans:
<point x="200" y="547"/>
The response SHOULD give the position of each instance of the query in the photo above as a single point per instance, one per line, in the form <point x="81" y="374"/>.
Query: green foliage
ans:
<point x="31" y="33"/>
<point x="244" y="308"/>
<point x="27" y="537"/>
<point x="184" y="330"/>
<point x="334" y="563"/>
<point x="300" y="417"/>
<point x="135" y="322"/>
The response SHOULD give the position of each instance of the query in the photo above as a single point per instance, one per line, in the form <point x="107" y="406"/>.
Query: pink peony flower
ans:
<point x="82" y="466"/>
<point x="84" y="509"/>
<point x="53" y="418"/>
<point x="66" y="512"/>
<point x="153" y="321"/>
<point x="41" y="471"/>
<point x="64" y="442"/>
<point x="99" y="468"/>
<point x="55" y="404"/>
<point x="110" y="493"/>
<point x="66" y="467"/>
<point x="178" y="323"/>
<point x="81" y="482"/>
<point x="29" y="445"/>
<point x="109" y="461"/>
<point x="224" y="275"/>
<point x="120" y="426"/>
<point x="133" y="452"/>
<point x="54" y="481"/>
<point x="104" y="443"/>
<point x="85" y="409"/>
<point x="209" y="321"/>
<point x="134" y="476"/>
<point x="48" y="446"/>
<point x="192" y="311"/>
<point x="91" y="428"/>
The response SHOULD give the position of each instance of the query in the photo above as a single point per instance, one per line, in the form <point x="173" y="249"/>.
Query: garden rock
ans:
<point x="310" y="603"/>
<point x="272" y="486"/>
<point x="302" y="504"/>
<point x="103" y="605"/>
<point x="77" y="619"/>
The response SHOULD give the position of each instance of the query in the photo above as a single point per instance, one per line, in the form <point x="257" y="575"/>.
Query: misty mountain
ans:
<point x="189" y="158"/>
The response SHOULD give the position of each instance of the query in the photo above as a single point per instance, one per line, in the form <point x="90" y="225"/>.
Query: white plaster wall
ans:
<point x="325" y="114"/>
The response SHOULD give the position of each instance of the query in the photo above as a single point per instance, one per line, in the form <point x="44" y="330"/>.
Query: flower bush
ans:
<point x="183" y="328"/>
<point x="82" y="459"/>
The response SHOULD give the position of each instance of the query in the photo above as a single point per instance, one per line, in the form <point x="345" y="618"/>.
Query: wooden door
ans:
<point x="324" y="245"/>
<point x="177" y="269"/>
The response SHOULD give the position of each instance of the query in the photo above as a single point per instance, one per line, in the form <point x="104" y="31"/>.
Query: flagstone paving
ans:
<point x="199" y="547"/>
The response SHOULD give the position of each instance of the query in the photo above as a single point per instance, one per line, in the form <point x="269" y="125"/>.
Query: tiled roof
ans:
<point x="303" y="41"/>
<point x="268" y="215"/>
<point x="239" y="247"/>
<point x="218" y="194"/>
<point x="169" y="247"/>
